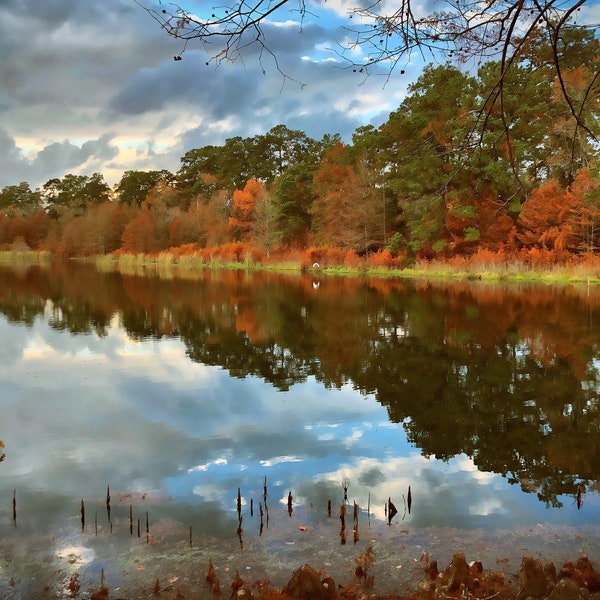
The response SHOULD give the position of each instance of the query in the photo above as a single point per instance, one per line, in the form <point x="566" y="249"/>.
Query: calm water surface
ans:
<point x="174" y="392"/>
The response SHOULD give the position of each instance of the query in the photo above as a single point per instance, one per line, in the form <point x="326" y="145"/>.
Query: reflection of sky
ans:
<point x="81" y="412"/>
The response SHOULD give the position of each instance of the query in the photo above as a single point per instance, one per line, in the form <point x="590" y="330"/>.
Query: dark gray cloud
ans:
<point x="63" y="156"/>
<point x="57" y="157"/>
<point x="55" y="12"/>
<point x="13" y="160"/>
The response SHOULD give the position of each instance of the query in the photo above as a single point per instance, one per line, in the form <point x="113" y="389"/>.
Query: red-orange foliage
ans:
<point x="181" y="231"/>
<point x="35" y="229"/>
<point x="323" y="256"/>
<point x="237" y="252"/>
<point x="30" y="231"/>
<point x="204" y="223"/>
<point x="145" y="233"/>
<point x="185" y="250"/>
<point x="72" y="238"/>
<point x="234" y="252"/>
<point x="244" y="206"/>
<point x="105" y="225"/>
<point x="496" y="228"/>
<point x="538" y="257"/>
<point x="11" y="228"/>
<point x="347" y="211"/>
<point x="98" y="231"/>
<point x="383" y="258"/>
<point x="546" y="219"/>
<point x="351" y="259"/>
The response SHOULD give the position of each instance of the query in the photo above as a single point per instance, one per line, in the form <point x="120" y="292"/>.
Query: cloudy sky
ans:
<point x="92" y="87"/>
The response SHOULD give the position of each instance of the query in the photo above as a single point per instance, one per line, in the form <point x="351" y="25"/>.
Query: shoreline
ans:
<point x="508" y="272"/>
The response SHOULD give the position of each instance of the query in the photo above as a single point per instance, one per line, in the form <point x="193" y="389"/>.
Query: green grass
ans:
<point x="105" y="263"/>
<point x="25" y="256"/>
<point x="169" y="265"/>
<point x="191" y="263"/>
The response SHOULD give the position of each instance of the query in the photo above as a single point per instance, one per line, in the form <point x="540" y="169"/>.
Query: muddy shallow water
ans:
<point x="42" y="565"/>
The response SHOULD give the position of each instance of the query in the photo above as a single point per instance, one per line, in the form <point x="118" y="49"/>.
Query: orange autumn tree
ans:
<point x="243" y="210"/>
<point x="586" y="214"/>
<point x="98" y="231"/>
<point x="204" y="223"/>
<point x="546" y="220"/>
<point x="145" y="233"/>
<point x="347" y="212"/>
<point x="497" y="228"/>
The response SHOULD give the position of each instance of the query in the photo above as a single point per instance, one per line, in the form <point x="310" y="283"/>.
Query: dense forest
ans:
<point x="453" y="172"/>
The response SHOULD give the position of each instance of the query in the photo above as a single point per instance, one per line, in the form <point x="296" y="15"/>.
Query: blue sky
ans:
<point x="93" y="87"/>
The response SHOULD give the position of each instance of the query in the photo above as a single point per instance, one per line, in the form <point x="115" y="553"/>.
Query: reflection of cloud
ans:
<point x="204" y="467"/>
<point x="489" y="506"/>
<point x="276" y="460"/>
<point x="353" y="437"/>
<point x="209" y="492"/>
<point x="37" y="349"/>
<point x="390" y="477"/>
<point x="442" y="492"/>
<point x="372" y="477"/>
<point x="81" y="412"/>
<point x="75" y="557"/>
<point x="464" y="463"/>
<point x="139" y="414"/>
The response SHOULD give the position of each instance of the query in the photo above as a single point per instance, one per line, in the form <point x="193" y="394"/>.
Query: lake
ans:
<point x="153" y="421"/>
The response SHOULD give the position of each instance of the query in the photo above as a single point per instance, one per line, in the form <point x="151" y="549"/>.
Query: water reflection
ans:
<point x="479" y="400"/>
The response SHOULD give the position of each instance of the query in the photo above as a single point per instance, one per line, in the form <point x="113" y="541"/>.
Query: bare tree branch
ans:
<point x="388" y="32"/>
<point x="464" y="30"/>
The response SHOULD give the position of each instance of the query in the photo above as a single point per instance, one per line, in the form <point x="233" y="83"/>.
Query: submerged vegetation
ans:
<point x="162" y="567"/>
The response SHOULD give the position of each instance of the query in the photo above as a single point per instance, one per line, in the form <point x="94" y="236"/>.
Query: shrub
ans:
<point x="382" y="258"/>
<point x="351" y="259"/>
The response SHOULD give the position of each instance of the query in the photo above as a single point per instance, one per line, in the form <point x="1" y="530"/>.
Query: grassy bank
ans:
<point x="25" y="257"/>
<point x="587" y="272"/>
<point x="169" y="265"/>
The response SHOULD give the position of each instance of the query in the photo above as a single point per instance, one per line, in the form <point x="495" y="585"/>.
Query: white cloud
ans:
<point x="277" y="460"/>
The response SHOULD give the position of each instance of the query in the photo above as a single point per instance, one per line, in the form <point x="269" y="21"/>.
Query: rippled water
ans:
<point x="173" y="394"/>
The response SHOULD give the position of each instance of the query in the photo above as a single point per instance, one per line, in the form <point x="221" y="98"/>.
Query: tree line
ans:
<point x="451" y="172"/>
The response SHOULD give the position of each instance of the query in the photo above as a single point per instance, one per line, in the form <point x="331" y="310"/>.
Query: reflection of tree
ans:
<point x="76" y="300"/>
<point x="22" y="313"/>
<point x="512" y="416"/>
<point x="508" y="378"/>
<point x="530" y="420"/>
